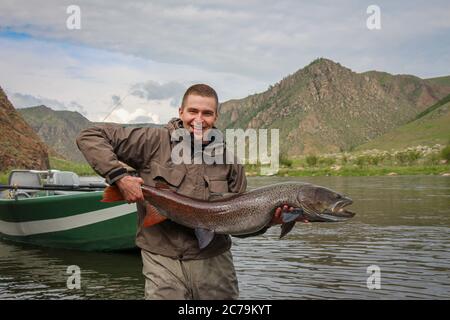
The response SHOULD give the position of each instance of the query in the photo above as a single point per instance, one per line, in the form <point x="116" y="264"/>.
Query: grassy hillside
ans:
<point x="431" y="127"/>
<point x="440" y="80"/>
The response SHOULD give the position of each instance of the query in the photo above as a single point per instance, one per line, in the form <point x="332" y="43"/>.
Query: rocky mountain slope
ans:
<point x="20" y="146"/>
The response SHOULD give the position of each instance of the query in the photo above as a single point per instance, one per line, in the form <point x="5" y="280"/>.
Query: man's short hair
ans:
<point x="202" y="90"/>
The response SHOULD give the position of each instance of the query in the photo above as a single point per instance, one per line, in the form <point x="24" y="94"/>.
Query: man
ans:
<point x="173" y="265"/>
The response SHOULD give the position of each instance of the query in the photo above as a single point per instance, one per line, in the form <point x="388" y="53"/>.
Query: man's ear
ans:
<point x="180" y="111"/>
<point x="217" y="113"/>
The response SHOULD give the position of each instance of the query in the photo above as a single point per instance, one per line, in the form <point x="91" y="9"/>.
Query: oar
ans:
<point x="90" y="185"/>
<point x="53" y="187"/>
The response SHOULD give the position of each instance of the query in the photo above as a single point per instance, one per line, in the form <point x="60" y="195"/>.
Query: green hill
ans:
<point x="445" y="81"/>
<point x="429" y="128"/>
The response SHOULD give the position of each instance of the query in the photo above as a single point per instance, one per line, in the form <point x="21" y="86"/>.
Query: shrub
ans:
<point x="433" y="159"/>
<point x="286" y="162"/>
<point x="375" y="159"/>
<point x="311" y="160"/>
<point x="327" y="161"/>
<point x="445" y="153"/>
<point x="360" y="161"/>
<point x="407" y="157"/>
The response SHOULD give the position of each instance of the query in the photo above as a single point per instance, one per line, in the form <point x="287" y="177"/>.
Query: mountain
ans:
<point x="20" y="146"/>
<point x="326" y="107"/>
<point x="59" y="129"/>
<point x="430" y="127"/>
<point x="440" y="80"/>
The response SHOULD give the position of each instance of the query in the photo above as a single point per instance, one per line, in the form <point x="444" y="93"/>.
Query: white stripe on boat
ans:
<point x="66" y="223"/>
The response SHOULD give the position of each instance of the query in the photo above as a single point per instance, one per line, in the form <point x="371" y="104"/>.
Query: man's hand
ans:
<point x="130" y="188"/>
<point x="277" y="216"/>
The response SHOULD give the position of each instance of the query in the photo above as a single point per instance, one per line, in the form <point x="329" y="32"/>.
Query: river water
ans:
<point x="396" y="247"/>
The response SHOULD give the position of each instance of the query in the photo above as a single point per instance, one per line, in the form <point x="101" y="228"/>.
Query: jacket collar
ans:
<point x="215" y="147"/>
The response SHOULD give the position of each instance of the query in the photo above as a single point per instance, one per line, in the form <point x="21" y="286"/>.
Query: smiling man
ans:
<point x="198" y="110"/>
<point x="173" y="265"/>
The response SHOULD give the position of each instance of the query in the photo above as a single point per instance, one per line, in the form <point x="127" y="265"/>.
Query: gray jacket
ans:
<point x="148" y="150"/>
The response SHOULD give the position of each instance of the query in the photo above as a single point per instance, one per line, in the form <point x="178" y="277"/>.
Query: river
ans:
<point x="396" y="247"/>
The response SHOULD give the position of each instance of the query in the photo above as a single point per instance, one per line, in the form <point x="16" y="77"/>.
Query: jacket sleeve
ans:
<point x="105" y="146"/>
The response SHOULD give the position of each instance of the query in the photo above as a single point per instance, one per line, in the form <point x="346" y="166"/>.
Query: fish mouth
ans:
<point x="336" y="212"/>
<point x="339" y="209"/>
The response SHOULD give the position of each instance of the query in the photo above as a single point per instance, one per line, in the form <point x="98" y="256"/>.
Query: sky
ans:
<point x="131" y="61"/>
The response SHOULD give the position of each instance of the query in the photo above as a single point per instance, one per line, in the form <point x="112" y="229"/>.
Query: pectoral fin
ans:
<point x="152" y="216"/>
<point x="286" y="228"/>
<point x="291" y="216"/>
<point x="204" y="237"/>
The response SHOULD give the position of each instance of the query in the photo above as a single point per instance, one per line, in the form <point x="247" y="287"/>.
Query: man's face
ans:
<point x="199" y="114"/>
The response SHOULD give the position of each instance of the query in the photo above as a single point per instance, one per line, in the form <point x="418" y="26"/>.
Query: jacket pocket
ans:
<point x="173" y="176"/>
<point x="217" y="184"/>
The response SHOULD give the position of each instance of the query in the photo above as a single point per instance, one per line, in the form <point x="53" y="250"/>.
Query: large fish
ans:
<point x="244" y="213"/>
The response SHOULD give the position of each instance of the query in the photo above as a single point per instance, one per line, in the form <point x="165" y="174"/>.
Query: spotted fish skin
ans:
<point x="243" y="213"/>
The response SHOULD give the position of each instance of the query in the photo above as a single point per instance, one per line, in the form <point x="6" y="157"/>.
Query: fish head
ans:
<point x="322" y="204"/>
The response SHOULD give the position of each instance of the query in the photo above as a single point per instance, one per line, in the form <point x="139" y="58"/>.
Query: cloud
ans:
<point x="145" y="119"/>
<point x="259" y="39"/>
<point x="152" y="90"/>
<point x="97" y="79"/>
<point x="116" y="100"/>
<point x="20" y="100"/>
<point x="139" y="115"/>
<point x="73" y="105"/>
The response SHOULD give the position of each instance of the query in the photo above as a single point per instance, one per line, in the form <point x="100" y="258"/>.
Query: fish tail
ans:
<point x="112" y="194"/>
<point x="152" y="216"/>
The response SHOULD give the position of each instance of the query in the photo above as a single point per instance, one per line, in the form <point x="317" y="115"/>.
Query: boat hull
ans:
<point x="74" y="221"/>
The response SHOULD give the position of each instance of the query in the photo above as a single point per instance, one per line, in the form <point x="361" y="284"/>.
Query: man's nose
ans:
<point x="199" y="117"/>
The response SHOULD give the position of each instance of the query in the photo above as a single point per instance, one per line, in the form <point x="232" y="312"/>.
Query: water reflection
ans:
<point x="28" y="272"/>
<point x="402" y="225"/>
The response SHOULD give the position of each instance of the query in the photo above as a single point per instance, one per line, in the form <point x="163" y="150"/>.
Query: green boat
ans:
<point x="64" y="215"/>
